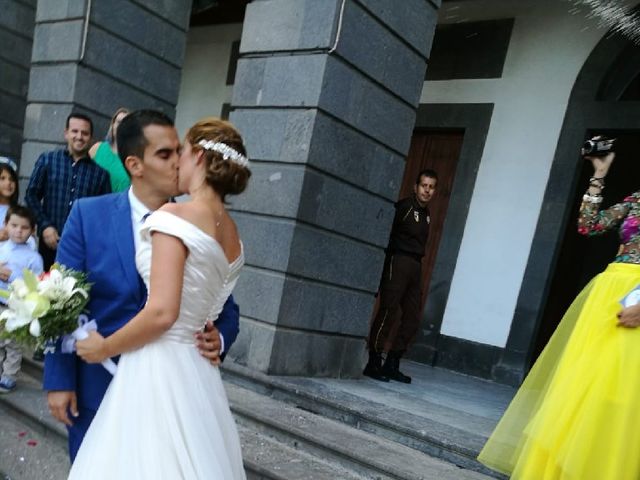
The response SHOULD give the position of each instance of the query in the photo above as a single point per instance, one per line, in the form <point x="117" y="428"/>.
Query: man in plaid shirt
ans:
<point x="59" y="178"/>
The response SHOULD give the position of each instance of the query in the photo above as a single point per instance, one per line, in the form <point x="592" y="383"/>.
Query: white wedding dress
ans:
<point x="165" y="414"/>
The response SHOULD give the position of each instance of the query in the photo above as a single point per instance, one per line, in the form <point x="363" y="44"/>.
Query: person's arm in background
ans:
<point x="36" y="191"/>
<point x="591" y="220"/>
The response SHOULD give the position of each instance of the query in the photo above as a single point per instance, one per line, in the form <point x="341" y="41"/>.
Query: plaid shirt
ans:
<point x="56" y="181"/>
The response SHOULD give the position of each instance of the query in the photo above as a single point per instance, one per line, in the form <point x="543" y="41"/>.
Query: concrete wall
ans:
<point x="327" y="125"/>
<point x="529" y="106"/>
<point x="129" y="53"/>
<point x="17" y="22"/>
<point x="203" y="89"/>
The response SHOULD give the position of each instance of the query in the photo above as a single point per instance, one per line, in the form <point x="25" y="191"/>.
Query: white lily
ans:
<point x="19" y="314"/>
<point x="58" y="288"/>
<point x="19" y="288"/>
<point x="34" y="328"/>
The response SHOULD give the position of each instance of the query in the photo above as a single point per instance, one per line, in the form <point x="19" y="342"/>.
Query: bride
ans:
<point x="165" y="414"/>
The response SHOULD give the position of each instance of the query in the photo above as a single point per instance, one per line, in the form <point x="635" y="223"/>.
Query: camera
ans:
<point x="598" y="146"/>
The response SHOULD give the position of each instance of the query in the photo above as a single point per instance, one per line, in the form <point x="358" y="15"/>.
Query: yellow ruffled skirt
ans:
<point x="577" y="414"/>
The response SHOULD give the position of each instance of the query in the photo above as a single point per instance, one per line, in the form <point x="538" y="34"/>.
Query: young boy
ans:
<point x="16" y="255"/>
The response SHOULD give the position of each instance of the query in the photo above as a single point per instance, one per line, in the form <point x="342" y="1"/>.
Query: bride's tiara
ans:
<point x="226" y="151"/>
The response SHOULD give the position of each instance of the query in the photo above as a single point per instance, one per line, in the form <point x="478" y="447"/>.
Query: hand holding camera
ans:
<point x="600" y="151"/>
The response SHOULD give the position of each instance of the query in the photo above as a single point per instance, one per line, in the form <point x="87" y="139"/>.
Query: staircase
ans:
<point x="287" y="431"/>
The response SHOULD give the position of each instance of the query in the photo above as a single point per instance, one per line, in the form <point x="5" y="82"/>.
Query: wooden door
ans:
<point x="439" y="151"/>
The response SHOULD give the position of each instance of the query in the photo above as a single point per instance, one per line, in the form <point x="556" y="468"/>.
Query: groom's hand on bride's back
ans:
<point x="209" y="344"/>
<point x="61" y="404"/>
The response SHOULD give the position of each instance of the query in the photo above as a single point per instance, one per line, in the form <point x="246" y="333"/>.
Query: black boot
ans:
<point x="391" y="368"/>
<point x="373" y="368"/>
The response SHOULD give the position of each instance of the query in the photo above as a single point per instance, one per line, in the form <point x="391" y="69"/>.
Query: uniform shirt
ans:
<point x="410" y="229"/>
<point x="57" y="181"/>
<point x="18" y="256"/>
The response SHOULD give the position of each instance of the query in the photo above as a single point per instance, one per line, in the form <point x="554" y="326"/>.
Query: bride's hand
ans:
<point x="92" y="349"/>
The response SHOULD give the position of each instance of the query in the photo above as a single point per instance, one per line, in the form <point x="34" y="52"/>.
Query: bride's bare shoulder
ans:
<point x="178" y="209"/>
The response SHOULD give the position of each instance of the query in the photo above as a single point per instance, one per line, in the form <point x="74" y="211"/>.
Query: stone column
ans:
<point x="326" y="94"/>
<point x="93" y="56"/>
<point x="16" y="36"/>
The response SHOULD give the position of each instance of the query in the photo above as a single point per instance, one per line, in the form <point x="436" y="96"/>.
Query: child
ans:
<point x="16" y="255"/>
<point x="8" y="190"/>
<point x="9" y="194"/>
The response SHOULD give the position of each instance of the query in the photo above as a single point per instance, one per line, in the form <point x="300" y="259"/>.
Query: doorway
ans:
<point x="438" y="150"/>
<point x="581" y="258"/>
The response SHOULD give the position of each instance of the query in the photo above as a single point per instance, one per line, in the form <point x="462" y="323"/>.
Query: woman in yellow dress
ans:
<point x="577" y="414"/>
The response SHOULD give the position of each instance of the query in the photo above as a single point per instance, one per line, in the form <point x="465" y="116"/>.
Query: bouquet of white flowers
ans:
<point x="43" y="309"/>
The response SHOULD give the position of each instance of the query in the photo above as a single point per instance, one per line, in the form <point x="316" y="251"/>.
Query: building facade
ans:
<point x="338" y="116"/>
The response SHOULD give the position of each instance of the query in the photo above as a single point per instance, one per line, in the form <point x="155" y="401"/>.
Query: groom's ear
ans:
<point x="134" y="165"/>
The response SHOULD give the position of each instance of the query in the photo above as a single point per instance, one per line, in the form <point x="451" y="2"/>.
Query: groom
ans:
<point x="100" y="238"/>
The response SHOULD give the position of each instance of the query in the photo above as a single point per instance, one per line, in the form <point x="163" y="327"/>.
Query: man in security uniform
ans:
<point x="400" y="286"/>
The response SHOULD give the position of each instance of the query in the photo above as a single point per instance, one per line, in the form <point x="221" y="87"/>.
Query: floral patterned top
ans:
<point x="625" y="215"/>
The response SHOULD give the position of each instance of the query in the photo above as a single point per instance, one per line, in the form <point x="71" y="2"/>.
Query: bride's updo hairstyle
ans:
<point x="224" y="153"/>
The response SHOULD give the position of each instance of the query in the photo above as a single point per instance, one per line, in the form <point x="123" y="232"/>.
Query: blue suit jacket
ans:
<point x="98" y="239"/>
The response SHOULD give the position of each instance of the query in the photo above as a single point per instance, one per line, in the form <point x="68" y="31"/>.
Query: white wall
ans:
<point x="548" y="47"/>
<point x="203" y="90"/>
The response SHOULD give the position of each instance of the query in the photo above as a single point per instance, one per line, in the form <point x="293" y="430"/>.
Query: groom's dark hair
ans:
<point x="130" y="133"/>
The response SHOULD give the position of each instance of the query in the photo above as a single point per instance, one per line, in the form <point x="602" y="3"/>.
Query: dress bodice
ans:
<point x="625" y="216"/>
<point x="209" y="278"/>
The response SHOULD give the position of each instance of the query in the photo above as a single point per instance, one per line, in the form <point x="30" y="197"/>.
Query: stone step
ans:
<point x="24" y="410"/>
<point x="272" y="460"/>
<point x="310" y="428"/>
<point x="364" y="453"/>
<point x="426" y="435"/>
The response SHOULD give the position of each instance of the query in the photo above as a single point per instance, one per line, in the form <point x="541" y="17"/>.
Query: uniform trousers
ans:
<point x="400" y="293"/>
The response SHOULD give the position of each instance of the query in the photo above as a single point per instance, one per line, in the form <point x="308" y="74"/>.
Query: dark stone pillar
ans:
<point x="16" y="36"/>
<point x="327" y="105"/>
<point x="95" y="56"/>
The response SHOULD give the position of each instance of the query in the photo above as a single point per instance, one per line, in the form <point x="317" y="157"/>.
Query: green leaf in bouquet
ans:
<point x="30" y="280"/>
<point x="5" y="293"/>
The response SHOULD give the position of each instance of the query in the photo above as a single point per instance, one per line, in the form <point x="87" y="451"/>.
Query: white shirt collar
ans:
<point x="138" y="209"/>
<point x="11" y="245"/>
